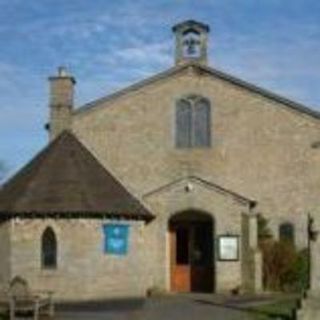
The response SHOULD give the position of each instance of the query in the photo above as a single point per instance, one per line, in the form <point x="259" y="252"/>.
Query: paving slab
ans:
<point x="160" y="309"/>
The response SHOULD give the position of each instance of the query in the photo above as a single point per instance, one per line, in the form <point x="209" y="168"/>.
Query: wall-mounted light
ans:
<point x="188" y="187"/>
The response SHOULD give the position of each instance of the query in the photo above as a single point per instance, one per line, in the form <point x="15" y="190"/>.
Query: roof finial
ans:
<point x="62" y="71"/>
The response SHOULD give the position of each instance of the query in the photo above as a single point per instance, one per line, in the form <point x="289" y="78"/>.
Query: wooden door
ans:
<point x="180" y="260"/>
<point x="191" y="257"/>
<point x="202" y="258"/>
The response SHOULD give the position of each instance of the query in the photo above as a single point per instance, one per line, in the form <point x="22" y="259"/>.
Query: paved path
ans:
<point x="159" y="309"/>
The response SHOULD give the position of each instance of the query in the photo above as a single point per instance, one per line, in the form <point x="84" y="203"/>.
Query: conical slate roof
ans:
<point x="66" y="178"/>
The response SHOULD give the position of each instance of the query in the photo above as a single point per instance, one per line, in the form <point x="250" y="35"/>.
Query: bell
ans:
<point x="191" y="46"/>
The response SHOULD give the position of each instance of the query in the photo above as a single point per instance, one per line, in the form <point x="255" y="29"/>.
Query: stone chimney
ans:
<point x="191" y="42"/>
<point x="60" y="102"/>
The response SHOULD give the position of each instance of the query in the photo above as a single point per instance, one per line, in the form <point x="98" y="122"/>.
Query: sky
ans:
<point x="107" y="45"/>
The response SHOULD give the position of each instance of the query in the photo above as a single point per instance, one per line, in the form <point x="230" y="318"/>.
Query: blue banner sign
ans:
<point x="116" y="239"/>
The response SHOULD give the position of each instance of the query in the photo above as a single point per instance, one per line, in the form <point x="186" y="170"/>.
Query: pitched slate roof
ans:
<point x="295" y="106"/>
<point x="66" y="178"/>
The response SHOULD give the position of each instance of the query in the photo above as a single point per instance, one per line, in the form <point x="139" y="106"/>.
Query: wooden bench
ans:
<point x="23" y="301"/>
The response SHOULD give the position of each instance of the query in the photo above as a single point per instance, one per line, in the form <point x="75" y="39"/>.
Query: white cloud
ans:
<point x="281" y="62"/>
<point x="110" y="45"/>
<point x="22" y="98"/>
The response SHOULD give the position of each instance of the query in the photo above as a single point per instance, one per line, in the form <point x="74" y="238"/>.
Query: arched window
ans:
<point x="49" y="249"/>
<point x="286" y="232"/>
<point x="193" y="122"/>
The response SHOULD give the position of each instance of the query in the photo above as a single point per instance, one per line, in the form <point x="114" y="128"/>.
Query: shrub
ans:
<point x="264" y="232"/>
<point x="284" y="268"/>
<point x="278" y="258"/>
<point x="297" y="278"/>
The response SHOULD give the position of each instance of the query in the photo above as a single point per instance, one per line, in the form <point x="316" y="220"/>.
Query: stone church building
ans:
<point x="158" y="185"/>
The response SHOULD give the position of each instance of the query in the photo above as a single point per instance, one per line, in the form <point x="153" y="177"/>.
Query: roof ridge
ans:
<point x="84" y="196"/>
<point x="260" y="90"/>
<point x="241" y="198"/>
<point x="116" y="179"/>
<point x="40" y="157"/>
<point x="67" y="177"/>
<point x="296" y="106"/>
<point x="134" y="86"/>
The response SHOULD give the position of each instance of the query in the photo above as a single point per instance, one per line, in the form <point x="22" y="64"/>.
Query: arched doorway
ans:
<point x="192" y="252"/>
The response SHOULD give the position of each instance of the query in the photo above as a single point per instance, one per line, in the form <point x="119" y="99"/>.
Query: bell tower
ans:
<point x="191" y="42"/>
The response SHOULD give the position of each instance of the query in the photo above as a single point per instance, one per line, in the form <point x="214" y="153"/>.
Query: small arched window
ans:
<point x="286" y="232"/>
<point x="193" y="122"/>
<point x="49" y="249"/>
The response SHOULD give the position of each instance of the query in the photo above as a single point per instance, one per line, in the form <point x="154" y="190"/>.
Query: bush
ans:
<point x="264" y="232"/>
<point x="297" y="278"/>
<point x="284" y="268"/>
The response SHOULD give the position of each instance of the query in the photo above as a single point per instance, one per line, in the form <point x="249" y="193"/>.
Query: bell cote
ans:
<point x="191" y="42"/>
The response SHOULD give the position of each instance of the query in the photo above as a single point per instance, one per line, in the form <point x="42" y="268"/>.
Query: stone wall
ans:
<point x="226" y="212"/>
<point x="251" y="263"/>
<point x="261" y="148"/>
<point x="5" y="249"/>
<point x="84" y="271"/>
<point x="310" y="308"/>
